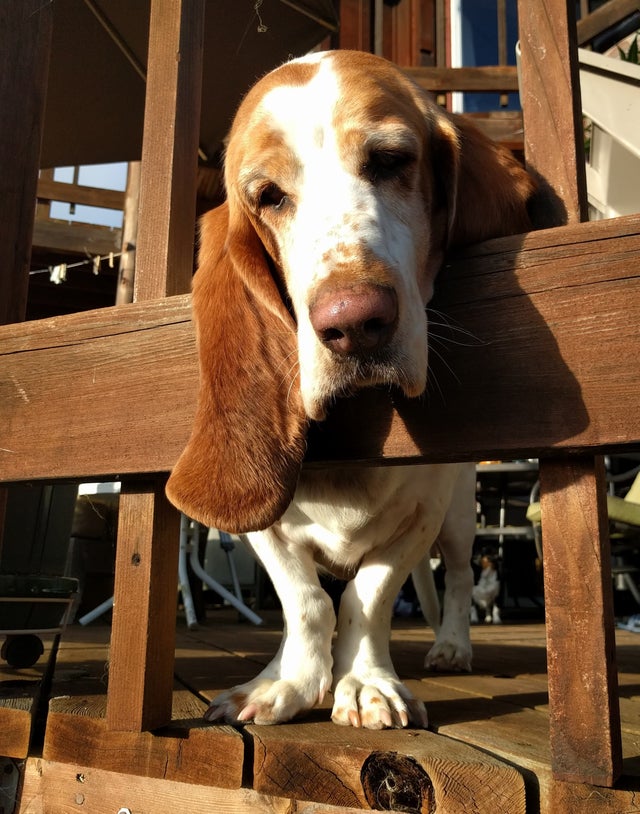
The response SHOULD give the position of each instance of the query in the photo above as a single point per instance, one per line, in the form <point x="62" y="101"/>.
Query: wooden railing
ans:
<point x="554" y="374"/>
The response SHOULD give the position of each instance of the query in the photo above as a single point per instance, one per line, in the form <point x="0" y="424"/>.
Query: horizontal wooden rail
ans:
<point x="78" y="194"/>
<point x="539" y="352"/>
<point x="603" y="18"/>
<point x="488" y="78"/>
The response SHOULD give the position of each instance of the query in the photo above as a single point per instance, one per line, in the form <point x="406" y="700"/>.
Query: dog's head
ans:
<point x="345" y="186"/>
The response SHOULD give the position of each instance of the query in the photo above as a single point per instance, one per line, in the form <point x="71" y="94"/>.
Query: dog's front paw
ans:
<point x="265" y="701"/>
<point x="449" y="656"/>
<point x="376" y="702"/>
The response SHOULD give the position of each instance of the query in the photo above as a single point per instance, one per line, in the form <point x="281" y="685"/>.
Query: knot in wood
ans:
<point x="394" y="782"/>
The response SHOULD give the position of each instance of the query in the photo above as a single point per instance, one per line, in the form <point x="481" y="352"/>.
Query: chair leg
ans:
<point x="583" y="685"/>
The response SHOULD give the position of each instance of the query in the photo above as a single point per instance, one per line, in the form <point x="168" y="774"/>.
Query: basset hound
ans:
<point x="345" y="185"/>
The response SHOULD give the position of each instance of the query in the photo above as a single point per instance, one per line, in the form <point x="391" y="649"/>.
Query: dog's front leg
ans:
<point x="300" y="673"/>
<point x="367" y="690"/>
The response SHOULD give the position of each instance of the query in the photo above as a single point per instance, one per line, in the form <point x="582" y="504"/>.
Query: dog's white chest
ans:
<point x="349" y="512"/>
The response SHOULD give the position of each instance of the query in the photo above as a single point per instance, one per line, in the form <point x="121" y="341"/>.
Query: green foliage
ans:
<point x="632" y="54"/>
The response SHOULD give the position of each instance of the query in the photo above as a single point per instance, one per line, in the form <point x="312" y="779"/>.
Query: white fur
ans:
<point x="341" y="218"/>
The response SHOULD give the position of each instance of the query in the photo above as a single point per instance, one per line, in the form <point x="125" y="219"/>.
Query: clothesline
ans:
<point x="58" y="273"/>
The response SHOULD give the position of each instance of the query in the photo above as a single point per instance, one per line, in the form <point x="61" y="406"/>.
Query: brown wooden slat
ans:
<point x="607" y="15"/>
<point x="143" y="638"/>
<point x="409" y="770"/>
<point x="585" y="726"/>
<point x="503" y="126"/>
<point x="16" y="717"/>
<point x="188" y="749"/>
<point x="143" y="635"/>
<point x="496" y="78"/>
<point x="63" y="788"/>
<point x="164" y="257"/>
<point x="583" y="690"/>
<point x="551" y="103"/>
<point x="355" y="24"/>
<point x="20" y="690"/>
<point x="25" y="41"/>
<point x="113" y="391"/>
<point x="49" y="190"/>
<point x="75" y="238"/>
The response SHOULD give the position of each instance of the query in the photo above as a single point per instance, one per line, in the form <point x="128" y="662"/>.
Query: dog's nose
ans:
<point x="357" y="320"/>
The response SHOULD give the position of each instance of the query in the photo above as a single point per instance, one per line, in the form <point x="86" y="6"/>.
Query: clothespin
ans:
<point x="110" y="260"/>
<point x="96" y="264"/>
<point x="58" y="274"/>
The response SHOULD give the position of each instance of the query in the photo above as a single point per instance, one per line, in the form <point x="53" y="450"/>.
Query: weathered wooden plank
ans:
<point x="68" y="787"/>
<point x="76" y="238"/>
<point x="583" y="689"/>
<point x="585" y="724"/>
<point x="550" y="96"/>
<point x="143" y="631"/>
<point x="492" y="78"/>
<point x="164" y="256"/>
<point x="187" y="750"/>
<point x="542" y="332"/>
<point x="25" y="41"/>
<point x="143" y="638"/>
<point x="408" y="770"/>
<point x="604" y="17"/>
<point x="19" y="698"/>
<point x="50" y="190"/>
<point x="16" y="715"/>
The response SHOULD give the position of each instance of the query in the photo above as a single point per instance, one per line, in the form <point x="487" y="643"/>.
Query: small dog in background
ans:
<point x="486" y="591"/>
<point x="346" y="185"/>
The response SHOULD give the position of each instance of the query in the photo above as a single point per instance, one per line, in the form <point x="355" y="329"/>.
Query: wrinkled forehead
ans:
<point x="342" y="96"/>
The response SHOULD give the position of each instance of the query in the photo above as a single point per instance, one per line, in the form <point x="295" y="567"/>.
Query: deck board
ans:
<point x="19" y="696"/>
<point x="488" y="738"/>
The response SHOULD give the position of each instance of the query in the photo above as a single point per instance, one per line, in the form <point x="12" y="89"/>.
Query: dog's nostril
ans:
<point x="331" y="335"/>
<point x="375" y="326"/>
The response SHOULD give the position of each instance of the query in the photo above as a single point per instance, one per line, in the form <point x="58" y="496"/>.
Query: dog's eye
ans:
<point x="384" y="165"/>
<point x="272" y="197"/>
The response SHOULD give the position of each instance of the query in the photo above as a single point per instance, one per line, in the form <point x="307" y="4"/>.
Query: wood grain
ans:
<point x="164" y="256"/>
<point x="486" y="78"/>
<point x="550" y="98"/>
<point x="583" y="689"/>
<point x="67" y="788"/>
<point x="143" y="634"/>
<point x="338" y="766"/>
<point x="541" y="332"/>
<point x="25" y="42"/>
<point x="187" y="749"/>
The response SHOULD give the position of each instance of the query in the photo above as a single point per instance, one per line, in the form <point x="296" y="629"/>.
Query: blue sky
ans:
<point x="102" y="176"/>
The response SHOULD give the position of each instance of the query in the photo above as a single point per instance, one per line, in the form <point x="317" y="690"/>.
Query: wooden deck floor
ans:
<point x="487" y="749"/>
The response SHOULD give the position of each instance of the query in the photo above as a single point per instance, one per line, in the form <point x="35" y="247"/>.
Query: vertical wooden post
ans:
<point x="583" y="702"/>
<point x="25" y="45"/>
<point x="551" y="102"/>
<point x="585" y="735"/>
<point x="355" y="24"/>
<point x="143" y="635"/>
<point x="164" y="261"/>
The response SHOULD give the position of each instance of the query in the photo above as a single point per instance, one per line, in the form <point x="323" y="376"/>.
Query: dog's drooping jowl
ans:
<point x="346" y="185"/>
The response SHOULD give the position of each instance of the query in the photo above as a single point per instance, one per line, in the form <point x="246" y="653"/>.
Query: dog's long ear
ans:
<point x="485" y="191"/>
<point x="240" y="467"/>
